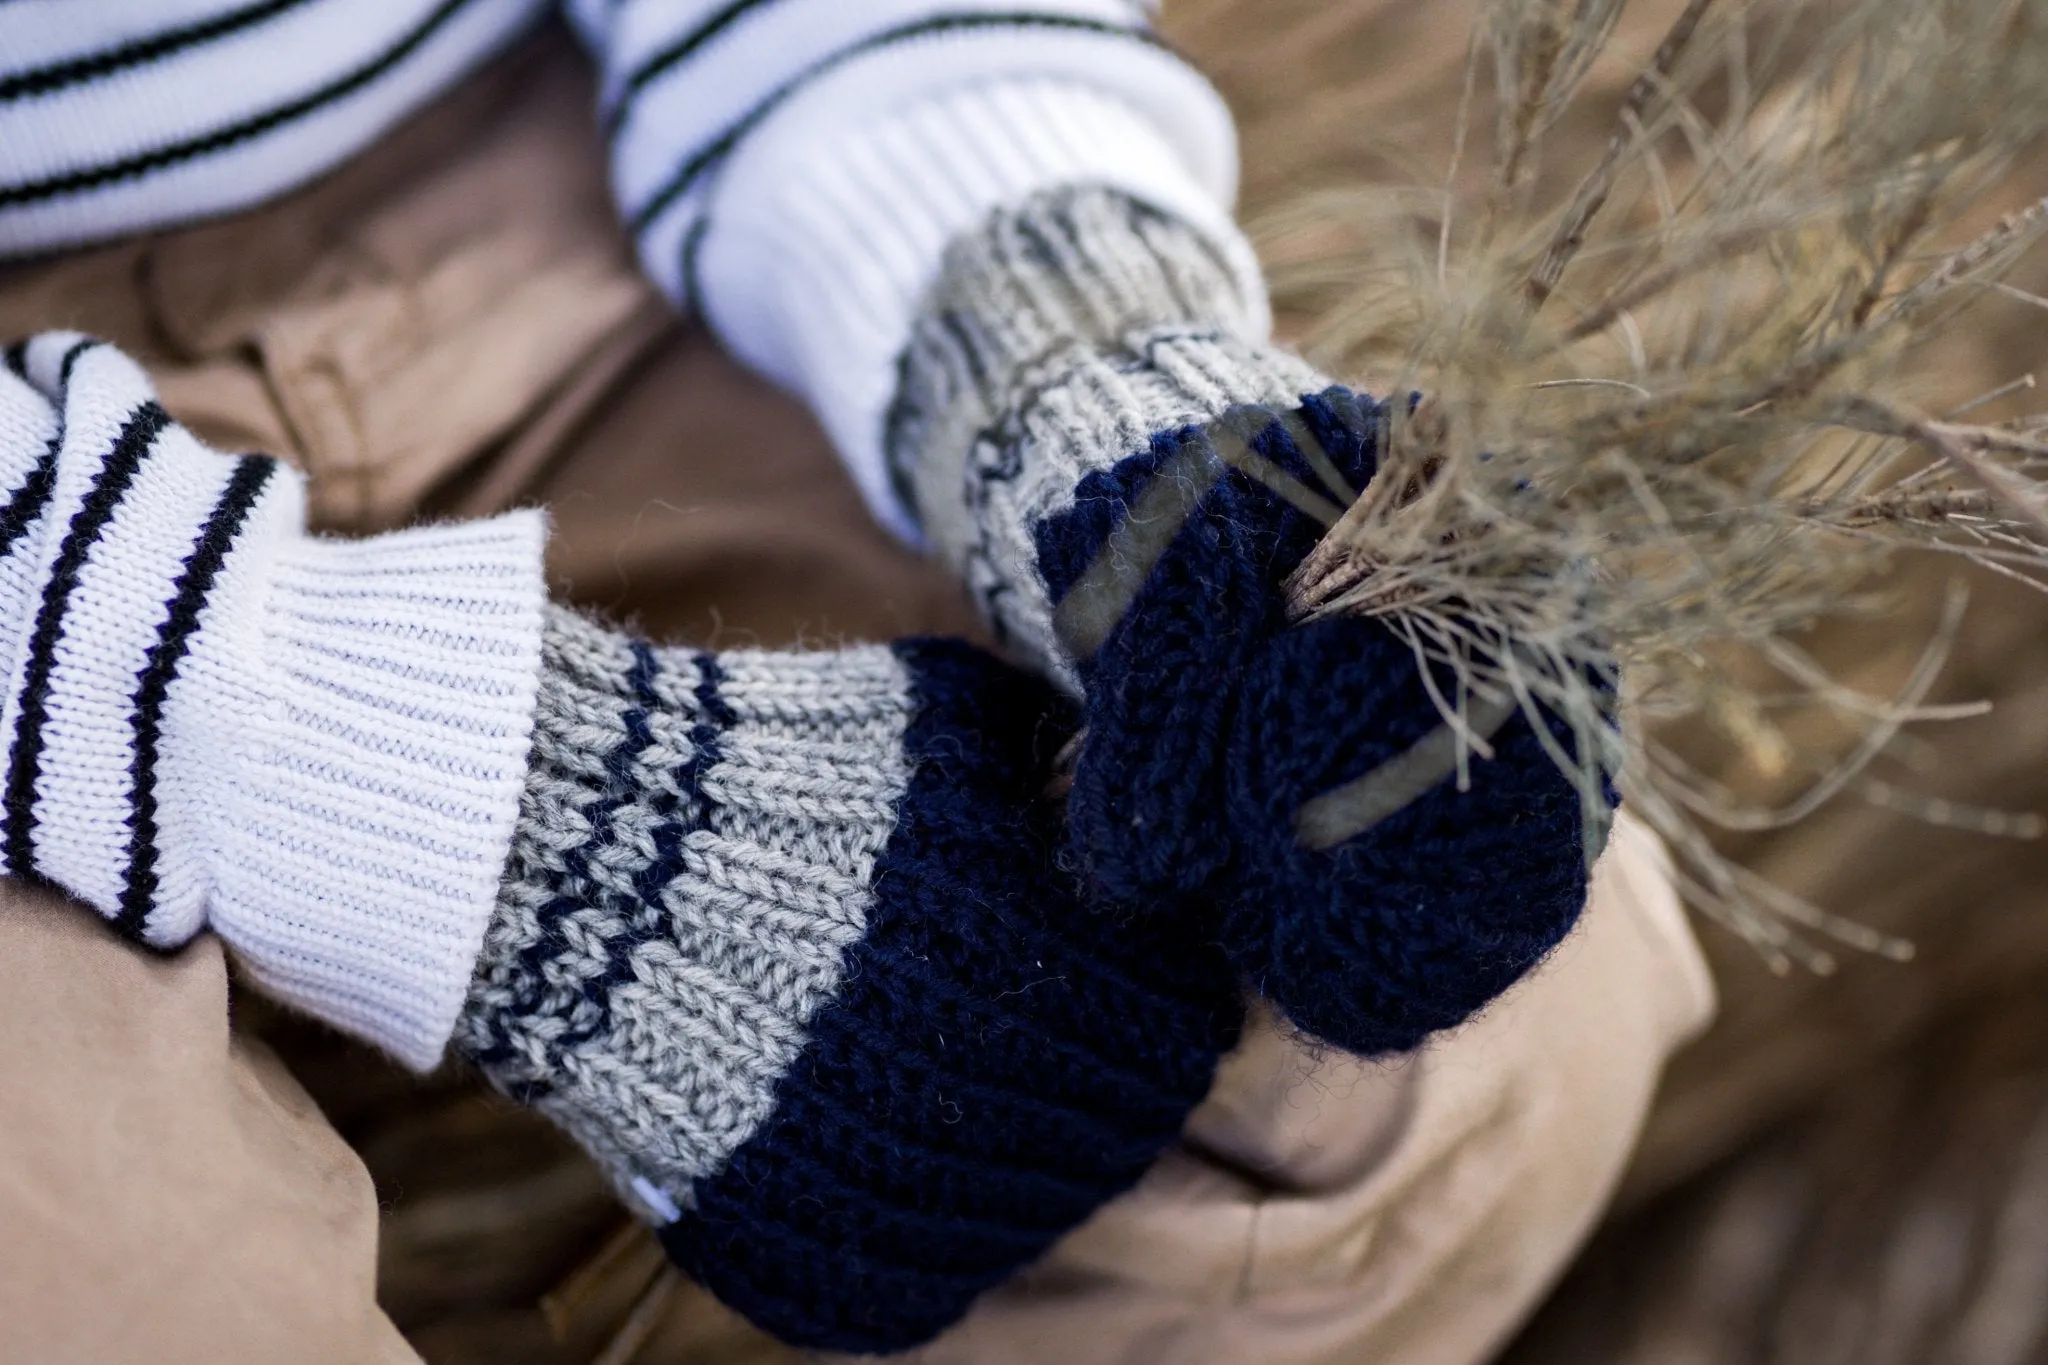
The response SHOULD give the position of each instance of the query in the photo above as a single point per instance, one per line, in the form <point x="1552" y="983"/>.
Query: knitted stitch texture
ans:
<point x="793" y="170"/>
<point x="214" y="720"/>
<point x="783" y="942"/>
<point x="1065" y="410"/>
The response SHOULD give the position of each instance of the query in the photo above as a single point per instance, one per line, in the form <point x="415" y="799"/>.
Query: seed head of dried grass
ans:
<point x="1669" y="416"/>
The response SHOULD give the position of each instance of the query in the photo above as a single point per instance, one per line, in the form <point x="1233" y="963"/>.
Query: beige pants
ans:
<point x="452" y="325"/>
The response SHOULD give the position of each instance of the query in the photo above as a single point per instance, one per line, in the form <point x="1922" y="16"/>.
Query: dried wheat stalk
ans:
<point x="1670" y="416"/>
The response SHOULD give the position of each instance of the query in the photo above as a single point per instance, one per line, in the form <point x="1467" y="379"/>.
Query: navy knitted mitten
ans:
<point x="1077" y="378"/>
<point x="784" y="944"/>
<point x="1218" y="734"/>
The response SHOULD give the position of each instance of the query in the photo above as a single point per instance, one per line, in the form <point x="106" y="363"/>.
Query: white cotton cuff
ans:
<point x="362" y="827"/>
<point x="832" y="220"/>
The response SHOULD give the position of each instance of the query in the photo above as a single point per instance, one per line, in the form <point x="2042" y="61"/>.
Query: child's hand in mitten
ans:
<point x="1078" y="413"/>
<point x="213" y="719"/>
<point x="785" y="944"/>
<point x="782" y="939"/>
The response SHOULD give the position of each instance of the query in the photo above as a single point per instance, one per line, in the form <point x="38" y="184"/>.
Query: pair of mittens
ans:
<point x="794" y="944"/>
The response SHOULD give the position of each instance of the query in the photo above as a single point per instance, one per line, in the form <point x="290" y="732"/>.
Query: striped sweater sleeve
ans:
<point x="794" y="169"/>
<point x="210" y="719"/>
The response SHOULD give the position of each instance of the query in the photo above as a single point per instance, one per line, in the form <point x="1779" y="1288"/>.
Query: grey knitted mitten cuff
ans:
<point x="1060" y="340"/>
<point x="692" y="859"/>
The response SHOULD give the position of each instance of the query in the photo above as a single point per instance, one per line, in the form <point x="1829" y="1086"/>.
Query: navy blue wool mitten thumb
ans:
<point x="1079" y="417"/>
<point x="785" y="945"/>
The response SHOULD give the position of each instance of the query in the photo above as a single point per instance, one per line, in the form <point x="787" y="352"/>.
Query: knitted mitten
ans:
<point x="781" y="939"/>
<point x="1082" y="391"/>
<point x="211" y="718"/>
<point x="783" y="944"/>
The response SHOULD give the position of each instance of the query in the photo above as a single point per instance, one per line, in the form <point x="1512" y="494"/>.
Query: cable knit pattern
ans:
<point x="1076" y="411"/>
<point x="784" y="944"/>
<point x="214" y="720"/>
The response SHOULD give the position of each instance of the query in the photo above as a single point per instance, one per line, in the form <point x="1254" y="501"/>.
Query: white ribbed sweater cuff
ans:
<point x="832" y="222"/>
<point x="315" y="747"/>
<point x="379" y="708"/>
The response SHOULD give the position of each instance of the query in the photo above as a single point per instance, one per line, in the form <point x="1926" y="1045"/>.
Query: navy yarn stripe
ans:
<point x="234" y="134"/>
<point x="695" y="168"/>
<point x="693" y="252"/>
<point x="174" y="637"/>
<point x="707" y="744"/>
<point x="115" y="475"/>
<point x="64" y="366"/>
<point x="619" y="765"/>
<point x="28" y="501"/>
<point x="94" y="66"/>
<point x="683" y="813"/>
<point x="667" y="59"/>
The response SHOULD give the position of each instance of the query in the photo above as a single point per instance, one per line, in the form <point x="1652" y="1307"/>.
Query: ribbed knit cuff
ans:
<point x="831" y="224"/>
<point x="378" y="706"/>
<point x="1062" y="338"/>
<point x="694" y="859"/>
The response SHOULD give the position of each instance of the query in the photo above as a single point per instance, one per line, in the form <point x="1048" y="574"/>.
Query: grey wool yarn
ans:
<point x="1059" y="340"/>
<point x="785" y="943"/>
<point x="692" y="861"/>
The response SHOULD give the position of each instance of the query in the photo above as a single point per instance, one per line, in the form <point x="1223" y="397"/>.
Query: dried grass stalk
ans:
<point x="1670" y="419"/>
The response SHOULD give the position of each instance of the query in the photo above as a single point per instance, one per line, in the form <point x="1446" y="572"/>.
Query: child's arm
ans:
<point x="211" y="718"/>
<point x="1085" y="411"/>
<point x="780" y="938"/>
<point x="993" y="252"/>
<point x="795" y="171"/>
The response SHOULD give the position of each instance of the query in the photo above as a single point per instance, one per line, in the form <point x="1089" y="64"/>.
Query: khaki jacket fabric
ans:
<point x="451" y="325"/>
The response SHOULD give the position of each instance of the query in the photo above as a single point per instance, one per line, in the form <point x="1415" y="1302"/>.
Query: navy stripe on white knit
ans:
<point x="70" y="361"/>
<point x="691" y="174"/>
<point x="673" y="55"/>
<point x="27" y="502"/>
<point x="692" y="170"/>
<point x="116" y="473"/>
<point x="82" y="179"/>
<point x="682" y="812"/>
<point x="174" y="636"/>
<point x="93" y="66"/>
